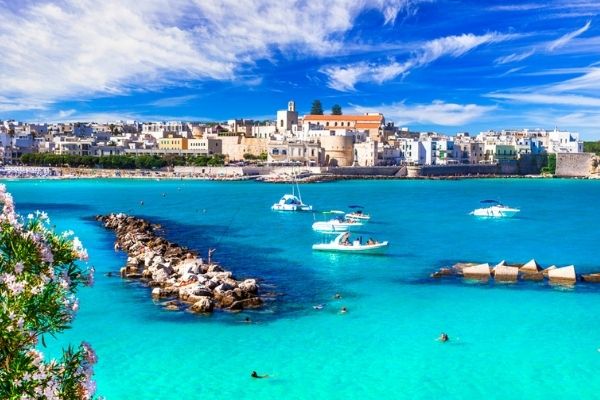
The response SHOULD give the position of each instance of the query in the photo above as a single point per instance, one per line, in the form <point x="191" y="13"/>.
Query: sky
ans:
<point x="438" y="65"/>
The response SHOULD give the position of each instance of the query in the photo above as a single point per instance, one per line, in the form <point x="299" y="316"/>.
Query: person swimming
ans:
<point x="319" y="306"/>
<point x="344" y="310"/>
<point x="443" y="337"/>
<point x="257" y="376"/>
<point x="337" y="296"/>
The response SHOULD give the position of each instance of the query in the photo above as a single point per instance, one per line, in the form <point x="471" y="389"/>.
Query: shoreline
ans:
<point x="234" y="175"/>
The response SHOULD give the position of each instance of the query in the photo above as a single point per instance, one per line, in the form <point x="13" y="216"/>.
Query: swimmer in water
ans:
<point x="344" y="310"/>
<point x="443" y="337"/>
<point x="337" y="296"/>
<point x="247" y="320"/>
<point x="319" y="306"/>
<point x="141" y="202"/>
<point x="257" y="376"/>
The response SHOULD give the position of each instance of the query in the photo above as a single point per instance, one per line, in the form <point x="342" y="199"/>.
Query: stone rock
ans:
<point x="203" y="305"/>
<point x="481" y="271"/>
<point x="249" y="286"/>
<point x="252" y="302"/>
<point x="214" y="268"/>
<point x="564" y="274"/>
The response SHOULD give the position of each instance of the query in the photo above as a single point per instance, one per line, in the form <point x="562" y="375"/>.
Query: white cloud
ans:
<point x="436" y="113"/>
<point x="540" y="98"/>
<point x="85" y="48"/>
<point x="345" y="77"/>
<point x="514" y="57"/>
<point x="588" y="82"/>
<point x="172" y="101"/>
<point x="561" y="41"/>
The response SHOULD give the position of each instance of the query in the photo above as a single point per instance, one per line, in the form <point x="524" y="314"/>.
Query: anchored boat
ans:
<point x="291" y="202"/>
<point x="342" y="243"/>
<point x="336" y="225"/>
<point x="495" y="210"/>
<point x="358" y="214"/>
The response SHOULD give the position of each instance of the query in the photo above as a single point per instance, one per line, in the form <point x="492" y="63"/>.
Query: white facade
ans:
<point x="365" y="154"/>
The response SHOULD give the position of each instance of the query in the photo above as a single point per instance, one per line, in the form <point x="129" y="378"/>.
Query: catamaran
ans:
<point x="291" y="202"/>
<point x="342" y="243"/>
<point x="495" y="210"/>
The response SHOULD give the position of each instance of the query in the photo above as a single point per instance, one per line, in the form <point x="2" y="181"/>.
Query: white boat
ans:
<point x="336" y="225"/>
<point x="291" y="202"/>
<point x="358" y="215"/>
<point x="343" y="244"/>
<point x="495" y="210"/>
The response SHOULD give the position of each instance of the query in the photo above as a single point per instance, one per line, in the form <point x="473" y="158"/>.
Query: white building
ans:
<point x="287" y="118"/>
<point x="366" y="154"/>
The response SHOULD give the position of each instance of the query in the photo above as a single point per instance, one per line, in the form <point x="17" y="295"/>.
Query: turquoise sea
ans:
<point x="507" y="341"/>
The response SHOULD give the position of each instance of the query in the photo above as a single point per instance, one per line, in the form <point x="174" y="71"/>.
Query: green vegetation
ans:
<point x="550" y="165"/>
<point x="336" y="109"/>
<point x="592" y="147"/>
<point x="122" y="161"/>
<point x="41" y="273"/>
<point x="252" y="157"/>
<point x="316" y="108"/>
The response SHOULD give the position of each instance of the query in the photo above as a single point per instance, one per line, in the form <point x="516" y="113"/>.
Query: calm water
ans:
<point x="527" y="340"/>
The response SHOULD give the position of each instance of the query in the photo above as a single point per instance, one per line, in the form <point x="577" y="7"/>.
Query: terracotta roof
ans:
<point x="356" y="118"/>
<point x="367" y="125"/>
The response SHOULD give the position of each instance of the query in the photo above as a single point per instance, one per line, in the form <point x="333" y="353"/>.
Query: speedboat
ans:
<point x="343" y="244"/>
<point x="495" y="210"/>
<point x="336" y="225"/>
<point x="358" y="215"/>
<point x="290" y="202"/>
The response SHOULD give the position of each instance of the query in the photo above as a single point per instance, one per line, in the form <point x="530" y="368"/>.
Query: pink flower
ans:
<point x="19" y="267"/>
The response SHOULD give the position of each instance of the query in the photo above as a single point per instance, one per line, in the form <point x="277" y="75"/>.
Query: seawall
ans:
<point x="577" y="165"/>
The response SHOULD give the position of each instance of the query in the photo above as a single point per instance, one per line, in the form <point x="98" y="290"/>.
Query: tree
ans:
<point x="316" y="108"/>
<point x="39" y="278"/>
<point x="336" y="110"/>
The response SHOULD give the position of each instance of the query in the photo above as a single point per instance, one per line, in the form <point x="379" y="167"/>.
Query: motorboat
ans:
<point x="495" y="210"/>
<point x="342" y="243"/>
<point x="290" y="202"/>
<point x="335" y="225"/>
<point x="358" y="214"/>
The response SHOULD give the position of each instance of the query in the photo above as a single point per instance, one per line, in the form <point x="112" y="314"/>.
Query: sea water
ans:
<point x="523" y="340"/>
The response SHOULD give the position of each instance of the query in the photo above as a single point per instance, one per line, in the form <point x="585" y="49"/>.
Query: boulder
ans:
<point x="594" y="278"/>
<point x="563" y="275"/>
<point x="480" y="271"/>
<point x="252" y="302"/>
<point x="505" y="273"/>
<point x="249" y="286"/>
<point x="203" y="305"/>
<point x="531" y="267"/>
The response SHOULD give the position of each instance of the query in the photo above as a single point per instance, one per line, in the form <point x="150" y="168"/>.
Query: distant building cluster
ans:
<point x="312" y="140"/>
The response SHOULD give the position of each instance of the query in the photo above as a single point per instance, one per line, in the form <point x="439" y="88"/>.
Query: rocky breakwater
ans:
<point x="176" y="273"/>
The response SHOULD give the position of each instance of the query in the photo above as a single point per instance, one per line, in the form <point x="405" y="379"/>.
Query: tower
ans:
<point x="292" y="106"/>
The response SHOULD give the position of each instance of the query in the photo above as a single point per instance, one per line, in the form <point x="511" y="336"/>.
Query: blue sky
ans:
<point x="440" y="65"/>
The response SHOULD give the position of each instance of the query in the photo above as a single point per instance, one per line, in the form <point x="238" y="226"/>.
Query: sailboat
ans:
<point x="291" y="202"/>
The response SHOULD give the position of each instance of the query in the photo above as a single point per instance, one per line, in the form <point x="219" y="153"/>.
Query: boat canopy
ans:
<point x="490" y="202"/>
<point x="355" y="206"/>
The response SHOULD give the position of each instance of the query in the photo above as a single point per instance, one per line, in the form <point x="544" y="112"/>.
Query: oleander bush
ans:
<point x="40" y="273"/>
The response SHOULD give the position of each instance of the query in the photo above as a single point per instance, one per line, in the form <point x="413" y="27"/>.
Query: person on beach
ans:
<point x="443" y="337"/>
<point x="257" y="376"/>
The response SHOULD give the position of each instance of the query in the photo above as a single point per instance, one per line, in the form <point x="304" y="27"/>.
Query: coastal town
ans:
<point x="318" y="139"/>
